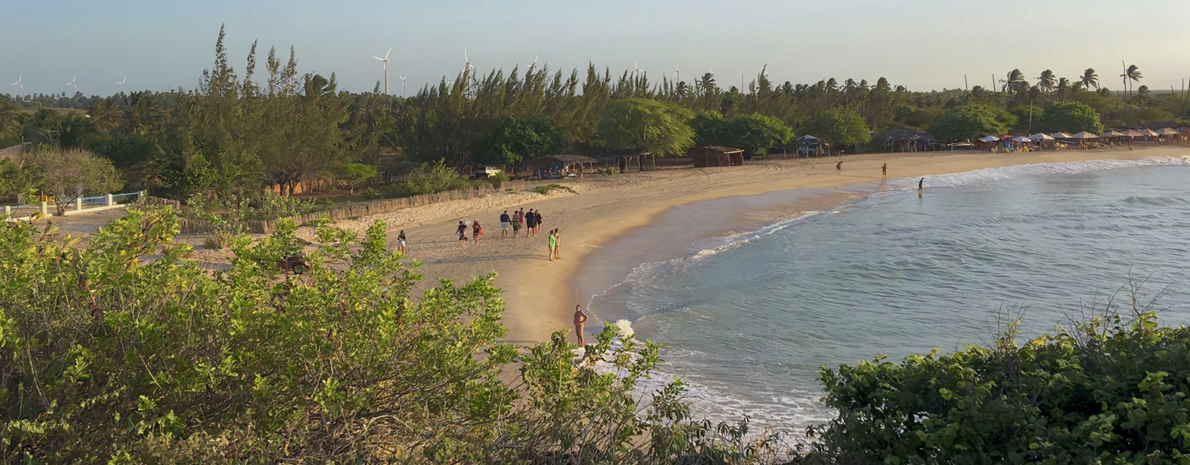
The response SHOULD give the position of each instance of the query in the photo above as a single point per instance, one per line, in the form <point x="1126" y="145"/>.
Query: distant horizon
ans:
<point x="921" y="44"/>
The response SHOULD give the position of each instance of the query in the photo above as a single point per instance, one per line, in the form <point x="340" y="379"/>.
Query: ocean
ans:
<point x="749" y="309"/>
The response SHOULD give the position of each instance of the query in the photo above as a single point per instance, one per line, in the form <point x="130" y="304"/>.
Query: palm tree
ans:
<point x="1045" y="82"/>
<point x="1142" y="96"/>
<point x="1131" y="74"/>
<point x="1014" y="81"/>
<point x="1090" y="79"/>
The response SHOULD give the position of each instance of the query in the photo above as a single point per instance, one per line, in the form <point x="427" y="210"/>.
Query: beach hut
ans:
<point x="1042" y="139"/>
<point x="1084" y="138"/>
<point x="628" y="159"/>
<point x="559" y="165"/>
<point x="1061" y="135"/>
<point x="1168" y="134"/>
<point x="714" y="155"/>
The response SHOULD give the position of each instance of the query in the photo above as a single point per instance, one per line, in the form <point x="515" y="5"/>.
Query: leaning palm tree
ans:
<point x="1090" y="79"/>
<point x="1131" y="74"/>
<point x="1013" y="83"/>
<point x="1046" y="81"/>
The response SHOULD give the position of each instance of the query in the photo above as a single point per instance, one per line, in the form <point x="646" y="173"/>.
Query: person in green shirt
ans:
<point x="553" y="245"/>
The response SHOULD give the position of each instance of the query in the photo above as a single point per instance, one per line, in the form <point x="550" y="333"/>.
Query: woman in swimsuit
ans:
<point x="401" y="242"/>
<point x="556" y="241"/>
<point x="478" y="233"/>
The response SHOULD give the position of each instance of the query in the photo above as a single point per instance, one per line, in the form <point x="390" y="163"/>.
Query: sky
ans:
<point x="921" y="44"/>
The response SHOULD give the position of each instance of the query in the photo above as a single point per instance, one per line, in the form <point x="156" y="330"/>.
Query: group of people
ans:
<point x="530" y="221"/>
<point x="476" y="231"/>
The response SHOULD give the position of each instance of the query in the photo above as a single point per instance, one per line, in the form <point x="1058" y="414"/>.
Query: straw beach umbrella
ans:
<point x="1168" y="132"/>
<point x="1061" y="135"/>
<point x="1041" y="136"/>
<point x="1114" y="133"/>
<point x="1084" y="136"/>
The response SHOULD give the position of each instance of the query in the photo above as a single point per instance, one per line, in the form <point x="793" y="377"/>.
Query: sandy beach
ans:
<point x="541" y="294"/>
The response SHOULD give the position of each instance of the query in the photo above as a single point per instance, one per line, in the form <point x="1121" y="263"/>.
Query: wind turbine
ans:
<point x="20" y="87"/>
<point x="677" y="73"/>
<point x="403" y="86"/>
<point x="385" y="61"/>
<point x="72" y="84"/>
<point x="634" y="65"/>
<point x="534" y="65"/>
<point x="121" y="84"/>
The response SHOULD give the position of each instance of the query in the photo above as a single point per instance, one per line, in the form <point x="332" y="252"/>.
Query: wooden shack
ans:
<point x="628" y="159"/>
<point x="714" y="155"/>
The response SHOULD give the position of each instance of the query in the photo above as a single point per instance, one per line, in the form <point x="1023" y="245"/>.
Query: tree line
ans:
<point x="244" y="129"/>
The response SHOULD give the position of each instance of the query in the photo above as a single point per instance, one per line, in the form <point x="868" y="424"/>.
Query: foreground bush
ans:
<point x="125" y="352"/>
<point x="1112" y="390"/>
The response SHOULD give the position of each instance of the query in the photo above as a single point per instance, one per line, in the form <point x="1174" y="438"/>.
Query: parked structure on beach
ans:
<point x="714" y="155"/>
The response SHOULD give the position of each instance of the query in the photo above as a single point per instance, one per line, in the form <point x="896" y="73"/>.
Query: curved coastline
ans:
<point x="540" y="295"/>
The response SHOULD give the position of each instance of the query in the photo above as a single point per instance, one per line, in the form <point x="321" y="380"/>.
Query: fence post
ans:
<point x="109" y="200"/>
<point x="45" y="208"/>
<point x="78" y="204"/>
<point x="7" y="211"/>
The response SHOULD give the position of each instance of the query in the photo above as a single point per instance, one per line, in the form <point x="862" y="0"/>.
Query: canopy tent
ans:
<point x="1061" y="135"/>
<point x="1040" y="137"/>
<point x="1168" y="132"/>
<point x="1084" y="135"/>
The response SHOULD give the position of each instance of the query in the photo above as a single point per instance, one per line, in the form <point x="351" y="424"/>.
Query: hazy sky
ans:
<point x="922" y="44"/>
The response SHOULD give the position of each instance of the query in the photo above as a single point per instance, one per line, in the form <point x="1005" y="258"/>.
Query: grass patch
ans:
<point x="550" y="188"/>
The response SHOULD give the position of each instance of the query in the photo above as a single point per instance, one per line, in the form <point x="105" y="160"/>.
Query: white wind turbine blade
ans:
<point x="381" y="59"/>
<point x="390" y="50"/>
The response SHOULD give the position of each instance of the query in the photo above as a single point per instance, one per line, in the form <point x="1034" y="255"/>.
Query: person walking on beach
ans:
<point x="401" y="242"/>
<point x="518" y="220"/>
<point x="504" y="220"/>
<point x="539" y="222"/>
<point x="530" y="223"/>
<point x="580" y="319"/>
<point x="557" y="240"/>
<point x="462" y="232"/>
<point x="478" y="230"/>
<point x="839" y="167"/>
<point x="884" y="171"/>
<point x="920" y="186"/>
<point x="553" y="245"/>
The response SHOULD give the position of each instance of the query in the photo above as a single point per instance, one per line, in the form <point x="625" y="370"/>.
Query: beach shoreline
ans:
<point x="540" y="294"/>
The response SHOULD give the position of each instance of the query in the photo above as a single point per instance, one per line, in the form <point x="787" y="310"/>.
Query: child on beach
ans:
<point x="462" y="232"/>
<point x="401" y="242"/>
<point x="554" y="236"/>
<point x="478" y="230"/>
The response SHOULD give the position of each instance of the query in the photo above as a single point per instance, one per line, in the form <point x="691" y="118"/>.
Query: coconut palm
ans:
<point x="1142" y="96"/>
<point x="1131" y="74"/>
<point x="1014" y="82"/>
<point x="1045" y="82"/>
<point x="1090" y="79"/>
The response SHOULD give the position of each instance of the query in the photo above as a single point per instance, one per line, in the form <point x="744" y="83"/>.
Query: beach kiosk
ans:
<point x="714" y="155"/>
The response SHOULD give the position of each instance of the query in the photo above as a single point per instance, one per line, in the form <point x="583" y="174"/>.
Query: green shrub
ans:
<point x="498" y="179"/>
<point x="1110" y="390"/>
<point x="432" y="178"/>
<point x="550" y="188"/>
<point x="111" y="356"/>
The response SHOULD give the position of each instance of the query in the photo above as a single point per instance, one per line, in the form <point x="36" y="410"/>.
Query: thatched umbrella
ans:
<point x="1060" y="135"/>
<point x="1135" y="133"/>
<point x="1114" y="133"/>
<point x="1148" y="132"/>
<point x="1168" y="132"/>
<point x="1040" y="137"/>
<point x="1084" y="136"/>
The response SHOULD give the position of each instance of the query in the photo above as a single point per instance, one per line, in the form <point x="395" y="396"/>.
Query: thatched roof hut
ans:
<point x="714" y="155"/>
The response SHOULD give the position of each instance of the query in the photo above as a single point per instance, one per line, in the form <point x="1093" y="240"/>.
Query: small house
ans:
<point x="713" y="155"/>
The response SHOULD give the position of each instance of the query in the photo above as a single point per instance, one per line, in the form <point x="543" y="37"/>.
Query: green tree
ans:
<point x="519" y="139"/>
<point x="1071" y="117"/>
<point x="756" y="131"/>
<point x="16" y="181"/>
<point x="1046" y="82"/>
<point x="1090" y="79"/>
<point x="839" y="127"/>
<point x="657" y="127"/>
<point x="355" y="173"/>
<point x="970" y="122"/>
<point x="69" y="174"/>
<point x="710" y="128"/>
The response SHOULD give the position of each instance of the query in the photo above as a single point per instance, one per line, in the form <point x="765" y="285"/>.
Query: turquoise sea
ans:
<point x="748" y="317"/>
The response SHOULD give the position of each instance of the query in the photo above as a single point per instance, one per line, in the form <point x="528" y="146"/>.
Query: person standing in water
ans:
<point x="884" y="171"/>
<point x="580" y="319"/>
<point x="920" y="186"/>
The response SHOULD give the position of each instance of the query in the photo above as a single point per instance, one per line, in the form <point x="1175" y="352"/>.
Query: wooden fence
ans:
<point x="346" y="212"/>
